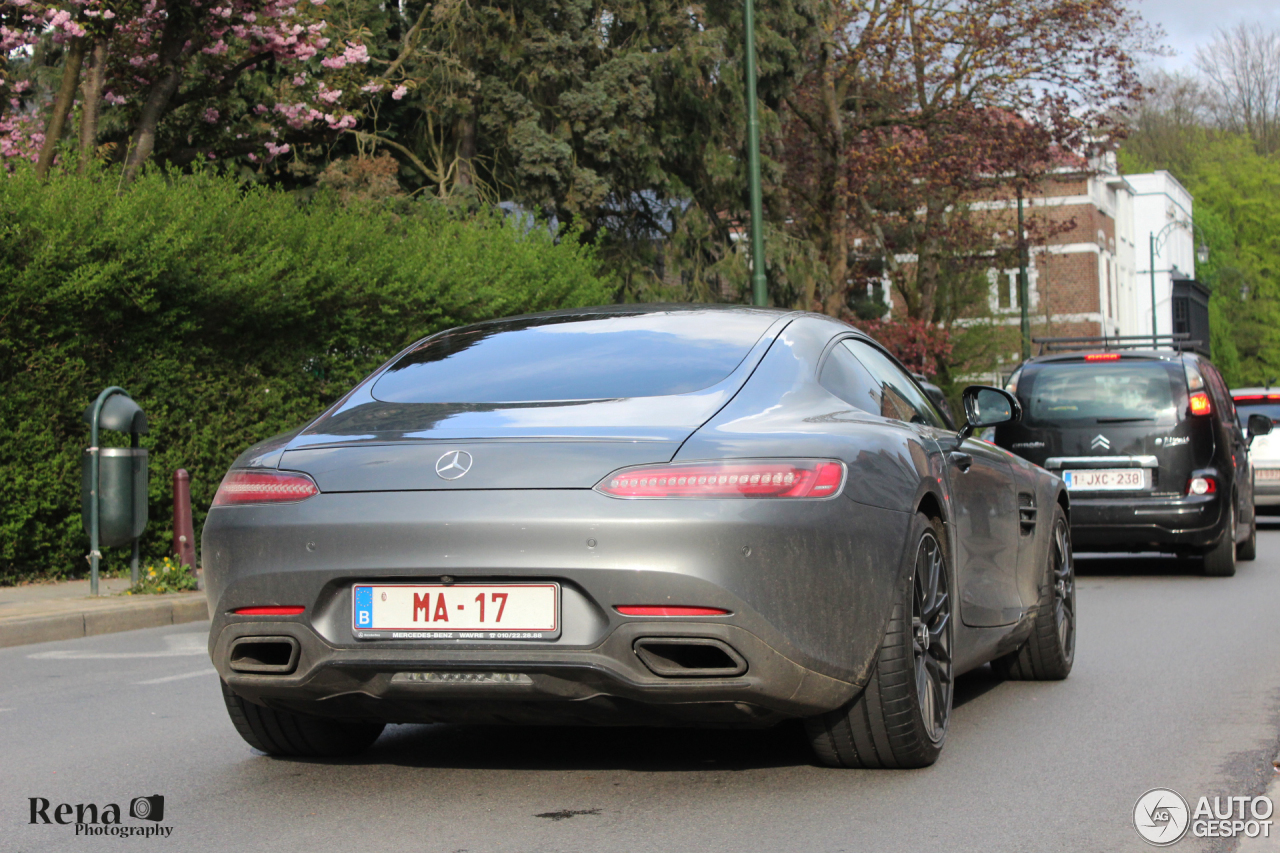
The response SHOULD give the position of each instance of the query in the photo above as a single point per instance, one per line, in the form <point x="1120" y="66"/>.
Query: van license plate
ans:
<point x="1272" y="474"/>
<point x="1108" y="479"/>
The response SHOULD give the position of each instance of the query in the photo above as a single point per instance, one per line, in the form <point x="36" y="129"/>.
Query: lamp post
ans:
<point x="1024" y="295"/>
<point x="759" y="288"/>
<point x="1156" y="241"/>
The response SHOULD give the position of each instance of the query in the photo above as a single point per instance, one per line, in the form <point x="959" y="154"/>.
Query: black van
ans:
<point x="1150" y="449"/>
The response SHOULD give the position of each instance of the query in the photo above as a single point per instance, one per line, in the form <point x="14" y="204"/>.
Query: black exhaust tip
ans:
<point x="277" y="655"/>
<point x="690" y="657"/>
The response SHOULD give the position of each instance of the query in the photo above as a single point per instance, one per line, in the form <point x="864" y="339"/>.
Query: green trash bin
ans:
<point x="122" y="503"/>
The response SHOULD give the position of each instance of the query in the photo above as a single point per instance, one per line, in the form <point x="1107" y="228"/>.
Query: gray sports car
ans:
<point x="653" y="515"/>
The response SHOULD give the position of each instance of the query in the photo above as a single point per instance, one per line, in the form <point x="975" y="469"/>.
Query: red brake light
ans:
<point x="1103" y="356"/>
<point x="249" y="486"/>
<point x="646" y="610"/>
<point x="756" y="478"/>
<point x="1200" y="403"/>
<point x="285" y="610"/>
<point x="1253" y="398"/>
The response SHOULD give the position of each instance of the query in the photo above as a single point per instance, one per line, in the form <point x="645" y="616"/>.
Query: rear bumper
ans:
<point x="808" y="584"/>
<point x="1266" y="492"/>
<point x="1146" y="523"/>
<point x="606" y="685"/>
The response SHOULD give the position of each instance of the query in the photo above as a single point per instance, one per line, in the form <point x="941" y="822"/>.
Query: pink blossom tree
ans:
<point x="147" y="59"/>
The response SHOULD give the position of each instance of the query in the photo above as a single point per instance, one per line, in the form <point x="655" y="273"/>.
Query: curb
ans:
<point x="130" y="616"/>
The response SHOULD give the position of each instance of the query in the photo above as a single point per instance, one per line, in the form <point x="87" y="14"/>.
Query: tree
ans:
<point x="1241" y="71"/>
<point x="1237" y="206"/>
<point x="152" y="59"/>
<point x="911" y="108"/>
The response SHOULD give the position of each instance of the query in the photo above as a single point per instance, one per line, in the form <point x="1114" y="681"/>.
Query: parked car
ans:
<point x="1149" y="447"/>
<point x="1264" y="449"/>
<point x="640" y="515"/>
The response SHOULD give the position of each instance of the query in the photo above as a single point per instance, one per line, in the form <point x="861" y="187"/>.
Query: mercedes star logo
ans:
<point x="453" y="464"/>
<point x="1100" y="442"/>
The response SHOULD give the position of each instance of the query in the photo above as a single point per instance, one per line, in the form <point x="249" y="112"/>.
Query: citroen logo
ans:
<point x="453" y="464"/>
<point x="1099" y="443"/>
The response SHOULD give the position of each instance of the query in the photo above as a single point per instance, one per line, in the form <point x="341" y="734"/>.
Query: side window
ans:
<point x="1222" y="396"/>
<point x="901" y="398"/>
<point x="844" y="376"/>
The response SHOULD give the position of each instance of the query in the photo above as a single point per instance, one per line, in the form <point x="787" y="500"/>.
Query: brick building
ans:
<point x="1089" y="246"/>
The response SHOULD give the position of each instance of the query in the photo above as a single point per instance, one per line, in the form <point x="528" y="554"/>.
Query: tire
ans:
<point x="1048" y="653"/>
<point x="1248" y="549"/>
<point x="1220" y="560"/>
<point x="288" y="734"/>
<point x="900" y="719"/>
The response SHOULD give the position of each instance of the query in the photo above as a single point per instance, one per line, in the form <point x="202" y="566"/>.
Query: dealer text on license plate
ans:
<point x="456" y="611"/>
<point x="1108" y="479"/>
<point x="1272" y="474"/>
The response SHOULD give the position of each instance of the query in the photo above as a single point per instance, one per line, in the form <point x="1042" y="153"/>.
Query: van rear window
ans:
<point x="1086" y="393"/>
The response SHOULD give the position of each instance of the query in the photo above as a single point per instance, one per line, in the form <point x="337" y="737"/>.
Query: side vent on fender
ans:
<point x="1026" y="513"/>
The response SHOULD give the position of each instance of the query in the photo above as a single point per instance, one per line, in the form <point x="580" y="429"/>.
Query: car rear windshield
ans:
<point x="1087" y="393"/>
<point x="1245" y="407"/>
<point x="578" y="357"/>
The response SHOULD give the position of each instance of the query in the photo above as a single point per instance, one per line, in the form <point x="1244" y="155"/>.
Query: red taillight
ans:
<point x="1103" y="356"/>
<point x="779" y="478"/>
<point x="1256" y="398"/>
<point x="248" y="486"/>
<point x="273" y="610"/>
<point x="1200" y="403"/>
<point x="1202" y="486"/>
<point x="647" y="610"/>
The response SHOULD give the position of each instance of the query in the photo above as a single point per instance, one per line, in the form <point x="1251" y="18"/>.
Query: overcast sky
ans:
<point x="1191" y="23"/>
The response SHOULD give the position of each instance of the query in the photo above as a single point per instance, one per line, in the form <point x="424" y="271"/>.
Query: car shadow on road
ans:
<point x="589" y="748"/>
<point x="609" y="748"/>
<point x="1136" y="565"/>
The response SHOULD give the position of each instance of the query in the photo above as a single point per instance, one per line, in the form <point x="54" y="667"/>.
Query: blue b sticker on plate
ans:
<point x="364" y="606"/>
<point x="1066" y="477"/>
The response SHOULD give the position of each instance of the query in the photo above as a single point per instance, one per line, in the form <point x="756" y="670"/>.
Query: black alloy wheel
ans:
<point x="1063" y="572"/>
<point x="931" y="637"/>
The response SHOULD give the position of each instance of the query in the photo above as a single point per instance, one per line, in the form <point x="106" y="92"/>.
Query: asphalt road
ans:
<point x="1176" y="684"/>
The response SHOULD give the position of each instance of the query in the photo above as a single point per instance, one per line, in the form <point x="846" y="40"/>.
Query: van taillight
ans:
<point x="1200" y="404"/>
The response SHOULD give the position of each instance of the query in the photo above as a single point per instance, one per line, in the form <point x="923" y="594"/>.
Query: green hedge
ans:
<point x="229" y="314"/>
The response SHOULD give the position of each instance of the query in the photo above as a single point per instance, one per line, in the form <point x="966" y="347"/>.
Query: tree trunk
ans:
<point x="466" y="130"/>
<point x="179" y="32"/>
<point x="92" y="101"/>
<point x="61" y="107"/>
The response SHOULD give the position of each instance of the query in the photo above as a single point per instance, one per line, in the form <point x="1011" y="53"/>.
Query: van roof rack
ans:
<point x="1178" y="341"/>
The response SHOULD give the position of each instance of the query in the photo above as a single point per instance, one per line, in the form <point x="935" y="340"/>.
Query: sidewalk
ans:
<point x="40" y="613"/>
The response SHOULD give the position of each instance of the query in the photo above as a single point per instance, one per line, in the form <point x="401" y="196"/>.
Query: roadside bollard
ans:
<point x="184" y="538"/>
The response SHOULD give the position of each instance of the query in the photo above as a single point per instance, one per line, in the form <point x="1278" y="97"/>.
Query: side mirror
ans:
<point x="985" y="406"/>
<point x="1259" y="425"/>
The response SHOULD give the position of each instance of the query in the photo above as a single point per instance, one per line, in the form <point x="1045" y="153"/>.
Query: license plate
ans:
<point x="1108" y="479"/>
<point x="456" y="611"/>
<point x="1268" y="473"/>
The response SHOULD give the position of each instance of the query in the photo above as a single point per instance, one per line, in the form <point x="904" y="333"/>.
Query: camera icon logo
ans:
<point x="148" y="808"/>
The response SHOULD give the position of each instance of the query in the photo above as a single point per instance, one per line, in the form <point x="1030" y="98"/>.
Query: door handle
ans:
<point x="963" y="461"/>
